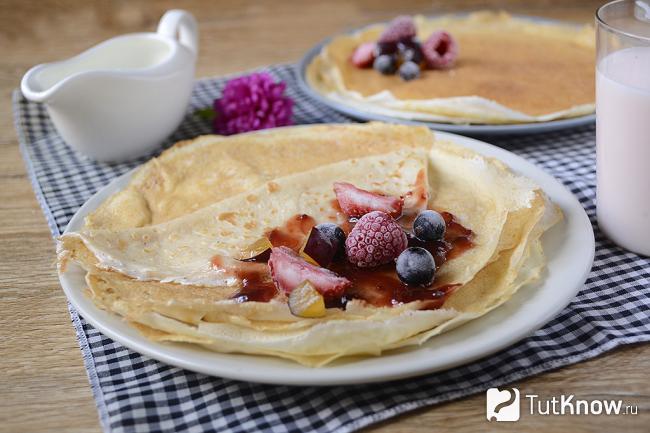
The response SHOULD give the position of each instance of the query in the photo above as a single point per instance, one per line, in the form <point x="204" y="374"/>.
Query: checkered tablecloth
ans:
<point x="135" y="393"/>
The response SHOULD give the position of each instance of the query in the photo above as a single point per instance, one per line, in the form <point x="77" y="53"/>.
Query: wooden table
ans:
<point x="43" y="385"/>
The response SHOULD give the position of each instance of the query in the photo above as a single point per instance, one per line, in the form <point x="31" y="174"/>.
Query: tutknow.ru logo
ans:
<point x="504" y="405"/>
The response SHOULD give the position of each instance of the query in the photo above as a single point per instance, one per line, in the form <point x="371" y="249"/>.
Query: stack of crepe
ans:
<point x="147" y="250"/>
<point x="509" y="70"/>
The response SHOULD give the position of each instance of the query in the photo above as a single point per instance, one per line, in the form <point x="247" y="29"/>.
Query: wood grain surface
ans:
<point x="43" y="384"/>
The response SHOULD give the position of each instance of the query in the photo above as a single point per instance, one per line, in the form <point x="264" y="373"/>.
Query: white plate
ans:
<point x="569" y="247"/>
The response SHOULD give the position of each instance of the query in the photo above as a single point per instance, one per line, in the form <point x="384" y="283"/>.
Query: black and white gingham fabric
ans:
<point x="135" y="393"/>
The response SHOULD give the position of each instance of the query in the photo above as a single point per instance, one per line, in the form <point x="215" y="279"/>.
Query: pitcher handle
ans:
<point x="177" y="22"/>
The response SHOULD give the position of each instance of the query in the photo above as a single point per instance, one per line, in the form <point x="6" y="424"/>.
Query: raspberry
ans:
<point x="440" y="50"/>
<point x="401" y="28"/>
<point x="364" y="55"/>
<point x="376" y="239"/>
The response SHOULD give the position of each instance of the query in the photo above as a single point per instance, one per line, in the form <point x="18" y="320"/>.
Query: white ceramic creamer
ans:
<point x="123" y="97"/>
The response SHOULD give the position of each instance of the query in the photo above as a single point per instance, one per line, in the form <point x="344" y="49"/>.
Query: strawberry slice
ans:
<point x="289" y="270"/>
<point x="364" y="55"/>
<point x="356" y="202"/>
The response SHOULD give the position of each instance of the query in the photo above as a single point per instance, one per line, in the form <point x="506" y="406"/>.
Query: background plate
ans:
<point x="568" y="246"/>
<point x="465" y="129"/>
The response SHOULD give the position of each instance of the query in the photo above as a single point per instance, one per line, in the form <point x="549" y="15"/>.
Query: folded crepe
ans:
<point x="162" y="276"/>
<point x="509" y="70"/>
<point x="204" y="170"/>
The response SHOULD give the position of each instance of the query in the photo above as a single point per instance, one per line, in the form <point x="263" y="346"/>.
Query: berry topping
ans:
<point x="356" y="202"/>
<point x="335" y="234"/>
<point x="386" y="64"/>
<point x="305" y="301"/>
<point x="416" y="267"/>
<point x="364" y="55"/>
<point x="410" y="51"/>
<point x="289" y="270"/>
<point x="324" y="243"/>
<point x="440" y="50"/>
<point x="409" y="71"/>
<point x="429" y="226"/>
<point x="385" y="48"/>
<point x="376" y="239"/>
<point x="400" y="29"/>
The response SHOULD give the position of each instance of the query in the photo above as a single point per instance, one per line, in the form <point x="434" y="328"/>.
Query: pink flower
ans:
<point x="250" y="103"/>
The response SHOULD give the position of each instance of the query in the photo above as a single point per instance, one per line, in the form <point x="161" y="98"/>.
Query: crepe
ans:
<point x="204" y="170"/>
<point x="159" y="277"/>
<point x="509" y="70"/>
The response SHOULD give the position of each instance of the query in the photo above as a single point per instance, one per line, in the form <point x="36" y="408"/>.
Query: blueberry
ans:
<point x="385" y="64"/>
<point x="416" y="267"/>
<point x="429" y="226"/>
<point x="335" y="234"/>
<point x="385" y="48"/>
<point x="409" y="71"/>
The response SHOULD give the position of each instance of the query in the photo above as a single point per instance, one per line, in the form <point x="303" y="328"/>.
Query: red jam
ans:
<point x="256" y="282"/>
<point x="256" y="291"/>
<point x="378" y="286"/>
<point x="293" y="233"/>
<point x="381" y="287"/>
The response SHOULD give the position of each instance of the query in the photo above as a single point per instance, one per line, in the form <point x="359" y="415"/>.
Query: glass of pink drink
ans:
<point x="623" y="123"/>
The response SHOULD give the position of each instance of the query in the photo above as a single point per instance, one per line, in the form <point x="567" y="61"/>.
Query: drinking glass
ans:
<point x="623" y="123"/>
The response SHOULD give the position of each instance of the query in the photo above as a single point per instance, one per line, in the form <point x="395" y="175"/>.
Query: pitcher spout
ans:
<point x="39" y="86"/>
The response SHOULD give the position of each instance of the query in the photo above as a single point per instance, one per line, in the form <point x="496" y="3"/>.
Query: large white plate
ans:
<point x="569" y="247"/>
<point x="471" y="129"/>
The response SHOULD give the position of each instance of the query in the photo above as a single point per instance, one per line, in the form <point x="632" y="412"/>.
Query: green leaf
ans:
<point x="207" y="114"/>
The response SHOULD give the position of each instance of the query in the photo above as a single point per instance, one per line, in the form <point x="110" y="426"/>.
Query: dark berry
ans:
<point x="385" y="64"/>
<point x="411" y="52"/>
<point x="409" y="71"/>
<point x="407" y="43"/>
<point x="429" y="226"/>
<point x="416" y="267"/>
<point x="324" y="243"/>
<point x="382" y="48"/>
<point x="335" y="234"/>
